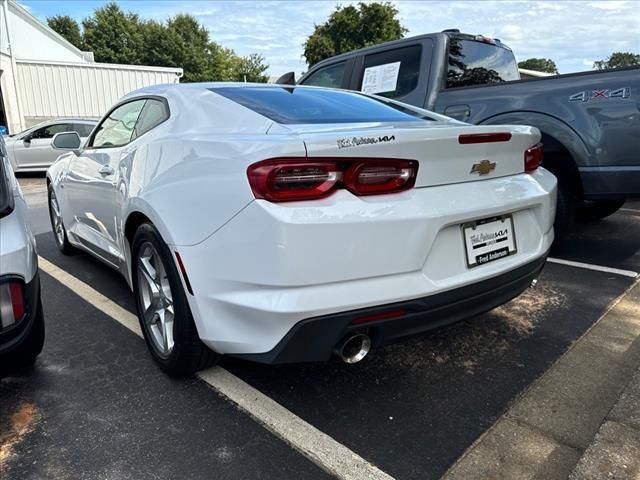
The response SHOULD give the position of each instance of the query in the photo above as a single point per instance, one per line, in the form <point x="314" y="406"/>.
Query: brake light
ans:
<point x="294" y="179"/>
<point x="533" y="158"/>
<point x="469" y="138"/>
<point x="11" y="303"/>
<point x="372" y="177"/>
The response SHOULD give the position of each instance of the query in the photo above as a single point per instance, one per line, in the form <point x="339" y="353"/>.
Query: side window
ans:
<point x="51" y="130"/>
<point x="83" y="129"/>
<point x="393" y="73"/>
<point x="154" y="113"/>
<point x="117" y="128"/>
<point x="329" y="76"/>
<point x="478" y="63"/>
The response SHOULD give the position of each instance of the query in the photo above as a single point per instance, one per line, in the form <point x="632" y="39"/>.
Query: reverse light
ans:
<point x="295" y="179"/>
<point x="12" y="306"/>
<point x="533" y="158"/>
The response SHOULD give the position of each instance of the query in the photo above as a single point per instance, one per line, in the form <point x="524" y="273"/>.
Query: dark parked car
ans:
<point x="590" y="122"/>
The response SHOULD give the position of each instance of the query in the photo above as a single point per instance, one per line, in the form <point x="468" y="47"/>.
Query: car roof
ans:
<point x="167" y="88"/>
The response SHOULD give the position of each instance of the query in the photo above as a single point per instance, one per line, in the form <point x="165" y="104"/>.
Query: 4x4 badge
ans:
<point x="483" y="168"/>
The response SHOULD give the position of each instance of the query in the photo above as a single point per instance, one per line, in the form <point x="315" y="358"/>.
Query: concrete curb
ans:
<point x="548" y="428"/>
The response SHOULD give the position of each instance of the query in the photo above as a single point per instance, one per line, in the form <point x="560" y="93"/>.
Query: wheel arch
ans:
<point x="132" y="221"/>
<point x="564" y="150"/>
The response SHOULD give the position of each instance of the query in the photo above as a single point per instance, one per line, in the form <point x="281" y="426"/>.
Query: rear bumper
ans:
<point x="314" y="339"/>
<point x="13" y="336"/>
<point x="275" y="265"/>
<point x="610" y="182"/>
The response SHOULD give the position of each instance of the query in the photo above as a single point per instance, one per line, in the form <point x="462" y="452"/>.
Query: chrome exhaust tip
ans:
<point x="354" y="348"/>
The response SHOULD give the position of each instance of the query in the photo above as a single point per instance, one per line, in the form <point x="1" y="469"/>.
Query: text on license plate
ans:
<point x="488" y="240"/>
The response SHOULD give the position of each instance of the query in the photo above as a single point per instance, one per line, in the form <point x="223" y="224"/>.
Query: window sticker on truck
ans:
<point x="587" y="95"/>
<point x="381" y="78"/>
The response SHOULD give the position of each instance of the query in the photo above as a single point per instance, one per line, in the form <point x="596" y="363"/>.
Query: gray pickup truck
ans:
<point x="590" y="122"/>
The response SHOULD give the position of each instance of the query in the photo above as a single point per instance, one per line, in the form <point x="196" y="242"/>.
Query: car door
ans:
<point x="34" y="149"/>
<point x="93" y="180"/>
<point x="400" y="73"/>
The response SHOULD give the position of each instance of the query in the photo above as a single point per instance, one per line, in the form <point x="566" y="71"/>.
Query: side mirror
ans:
<point x="66" y="141"/>
<point x="288" y="78"/>
<point x="27" y="139"/>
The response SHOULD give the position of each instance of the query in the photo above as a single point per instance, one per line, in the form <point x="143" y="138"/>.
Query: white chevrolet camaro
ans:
<point x="282" y="224"/>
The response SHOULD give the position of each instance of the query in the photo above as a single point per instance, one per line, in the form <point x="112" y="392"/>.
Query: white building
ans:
<point x="43" y="76"/>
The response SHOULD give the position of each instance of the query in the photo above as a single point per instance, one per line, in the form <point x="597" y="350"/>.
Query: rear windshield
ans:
<point x="291" y="105"/>
<point x="477" y="63"/>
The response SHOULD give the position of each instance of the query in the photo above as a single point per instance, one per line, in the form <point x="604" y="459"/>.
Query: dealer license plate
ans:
<point x="489" y="240"/>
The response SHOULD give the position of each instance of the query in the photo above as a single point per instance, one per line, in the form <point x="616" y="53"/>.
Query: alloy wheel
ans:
<point x="156" y="299"/>
<point x="56" y="219"/>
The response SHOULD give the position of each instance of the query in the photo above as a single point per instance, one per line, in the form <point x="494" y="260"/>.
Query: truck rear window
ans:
<point x="295" y="105"/>
<point x="477" y="63"/>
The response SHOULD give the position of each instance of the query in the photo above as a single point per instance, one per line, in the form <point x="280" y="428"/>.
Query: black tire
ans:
<point x="25" y="354"/>
<point x="188" y="354"/>
<point x="63" y="243"/>
<point x="565" y="211"/>
<point x="590" y="211"/>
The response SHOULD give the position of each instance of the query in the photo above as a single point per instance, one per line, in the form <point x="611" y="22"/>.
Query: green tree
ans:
<point x="114" y="36"/>
<point x="250" y="68"/>
<point x="68" y="28"/>
<point x="539" y="65"/>
<point x="184" y="42"/>
<point x="352" y="27"/>
<point x="193" y="48"/>
<point x="618" y="60"/>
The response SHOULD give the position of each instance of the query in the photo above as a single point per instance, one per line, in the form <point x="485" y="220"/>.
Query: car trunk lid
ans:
<point x="447" y="153"/>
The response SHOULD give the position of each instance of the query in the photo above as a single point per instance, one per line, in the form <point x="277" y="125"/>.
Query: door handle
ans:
<point x="459" y="112"/>
<point x="106" y="170"/>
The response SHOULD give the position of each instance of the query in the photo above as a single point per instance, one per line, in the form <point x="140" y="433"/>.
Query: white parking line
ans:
<point x="597" y="268"/>
<point x="320" y="448"/>
<point x="630" y="210"/>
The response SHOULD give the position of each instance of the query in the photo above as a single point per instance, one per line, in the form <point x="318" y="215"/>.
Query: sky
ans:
<point x="573" y="33"/>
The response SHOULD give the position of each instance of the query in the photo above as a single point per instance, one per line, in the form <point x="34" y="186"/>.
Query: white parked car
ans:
<point x="31" y="150"/>
<point x="21" y="318"/>
<point x="280" y="224"/>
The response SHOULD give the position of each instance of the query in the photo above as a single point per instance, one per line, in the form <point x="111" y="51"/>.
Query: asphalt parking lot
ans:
<point x="95" y="406"/>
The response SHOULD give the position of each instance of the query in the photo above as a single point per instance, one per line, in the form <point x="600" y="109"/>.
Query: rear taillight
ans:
<point x="11" y="303"/>
<point x="287" y="179"/>
<point x="533" y="158"/>
<point x="371" y="177"/>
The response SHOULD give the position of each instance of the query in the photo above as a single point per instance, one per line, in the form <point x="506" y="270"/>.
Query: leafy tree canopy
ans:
<point x="352" y="27"/>
<point x="116" y="36"/>
<point x="539" y="65"/>
<point x="618" y="60"/>
<point x="68" y="28"/>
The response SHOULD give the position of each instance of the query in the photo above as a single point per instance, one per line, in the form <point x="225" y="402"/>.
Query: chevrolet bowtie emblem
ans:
<point x="483" y="168"/>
